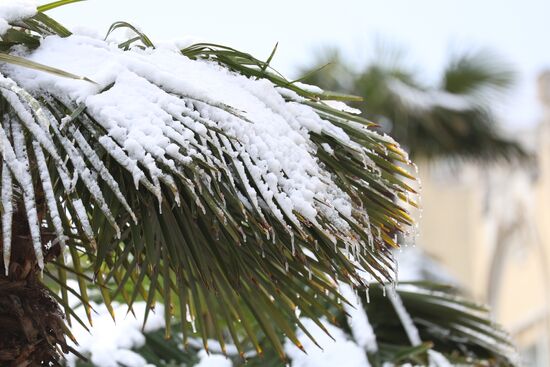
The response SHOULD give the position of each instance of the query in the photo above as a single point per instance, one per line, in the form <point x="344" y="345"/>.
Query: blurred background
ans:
<point x="461" y="84"/>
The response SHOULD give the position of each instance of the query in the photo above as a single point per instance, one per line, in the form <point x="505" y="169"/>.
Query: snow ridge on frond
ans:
<point x="171" y="121"/>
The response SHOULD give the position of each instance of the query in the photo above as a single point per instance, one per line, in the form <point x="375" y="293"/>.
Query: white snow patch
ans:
<point x="109" y="344"/>
<point x="14" y="10"/>
<point x="338" y="352"/>
<point x="308" y="87"/>
<point x="358" y="320"/>
<point x="213" y="360"/>
<point x="341" y="106"/>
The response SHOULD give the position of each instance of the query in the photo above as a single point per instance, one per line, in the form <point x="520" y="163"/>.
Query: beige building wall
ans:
<point x="490" y="227"/>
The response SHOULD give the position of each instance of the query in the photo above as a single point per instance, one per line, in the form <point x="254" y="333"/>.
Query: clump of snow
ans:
<point x="338" y="352"/>
<point x="213" y="360"/>
<point x="14" y="10"/>
<point x="110" y="344"/>
<point x="341" y="106"/>
<point x="308" y="87"/>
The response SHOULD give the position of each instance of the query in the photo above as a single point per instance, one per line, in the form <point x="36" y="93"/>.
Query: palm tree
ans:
<point x="195" y="177"/>
<point x="451" y="120"/>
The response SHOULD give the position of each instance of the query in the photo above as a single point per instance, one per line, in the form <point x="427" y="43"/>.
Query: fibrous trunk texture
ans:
<point x="31" y="322"/>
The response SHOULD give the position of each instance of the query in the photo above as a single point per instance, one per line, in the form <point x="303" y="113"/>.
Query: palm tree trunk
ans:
<point x="31" y="322"/>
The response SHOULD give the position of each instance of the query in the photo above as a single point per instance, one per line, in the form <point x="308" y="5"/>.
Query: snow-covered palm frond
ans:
<point x="195" y="176"/>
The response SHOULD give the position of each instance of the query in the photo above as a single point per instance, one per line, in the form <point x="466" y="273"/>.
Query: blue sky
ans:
<point x="427" y="29"/>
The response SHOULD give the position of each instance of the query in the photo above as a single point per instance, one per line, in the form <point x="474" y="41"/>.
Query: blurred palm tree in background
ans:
<point x="453" y="119"/>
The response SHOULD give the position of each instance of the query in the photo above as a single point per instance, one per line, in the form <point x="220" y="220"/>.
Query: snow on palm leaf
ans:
<point x="193" y="175"/>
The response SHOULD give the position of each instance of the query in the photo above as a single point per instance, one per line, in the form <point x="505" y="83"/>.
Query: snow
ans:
<point x="15" y="157"/>
<point x="404" y="317"/>
<point x="308" y="87"/>
<point x="338" y="352"/>
<point x="13" y="10"/>
<point x="49" y="195"/>
<point x="212" y="360"/>
<point x="109" y="344"/>
<point x="426" y="100"/>
<point x="437" y="359"/>
<point x="341" y="106"/>
<point x="358" y="321"/>
<point x="7" y="212"/>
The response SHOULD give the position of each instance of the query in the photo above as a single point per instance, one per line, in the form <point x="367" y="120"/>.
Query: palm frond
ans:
<point x="451" y="324"/>
<point x="460" y="332"/>
<point x="477" y="72"/>
<point x="195" y="177"/>
<point x="452" y="121"/>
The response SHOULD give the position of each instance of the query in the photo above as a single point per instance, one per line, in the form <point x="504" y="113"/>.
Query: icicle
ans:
<point x="7" y="215"/>
<point x="189" y="318"/>
<point x="292" y="244"/>
<point x="396" y="273"/>
<point x="367" y="294"/>
<point x="415" y="168"/>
